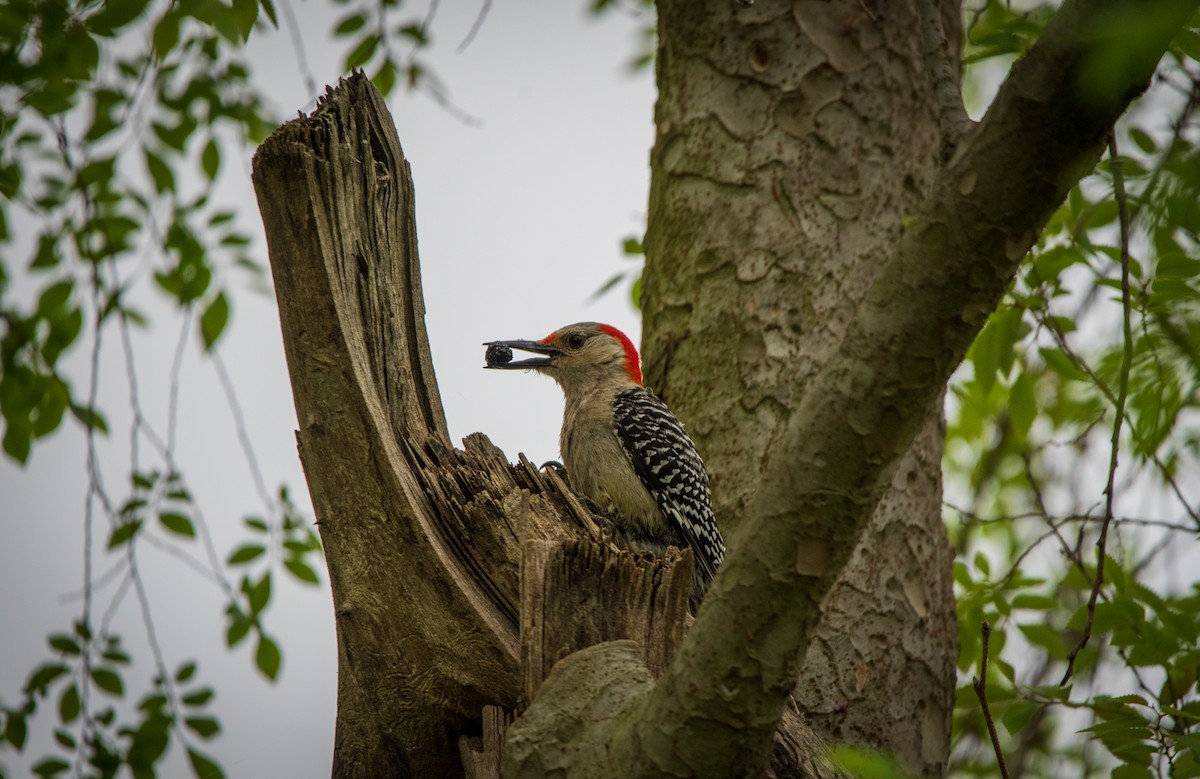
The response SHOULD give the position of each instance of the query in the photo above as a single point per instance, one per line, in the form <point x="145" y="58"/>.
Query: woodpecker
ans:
<point x="623" y="449"/>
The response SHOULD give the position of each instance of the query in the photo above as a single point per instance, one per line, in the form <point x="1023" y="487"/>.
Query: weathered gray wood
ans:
<point x="481" y="755"/>
<point x="419" y="539"/>
<point x="581" y="591"/>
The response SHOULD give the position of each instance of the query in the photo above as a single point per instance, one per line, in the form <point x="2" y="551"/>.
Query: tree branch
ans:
<point x="944" y="79"/>
<point x="1122" y="395"/>
<point x="715" y="708"/>
<point x="980" y="686"/>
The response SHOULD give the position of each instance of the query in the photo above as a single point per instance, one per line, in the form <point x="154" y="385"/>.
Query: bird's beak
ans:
<point x="499" y="354"/>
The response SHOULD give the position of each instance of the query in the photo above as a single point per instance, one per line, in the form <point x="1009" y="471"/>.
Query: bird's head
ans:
<point x="576" y="356"/>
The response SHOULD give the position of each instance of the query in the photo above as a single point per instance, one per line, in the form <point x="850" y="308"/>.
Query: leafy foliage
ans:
<point x="1035" y="458"/>
<point x="101" y="738"/>
<point x="115" y="118"/>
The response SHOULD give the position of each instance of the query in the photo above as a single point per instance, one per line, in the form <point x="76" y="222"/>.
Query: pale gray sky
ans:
<point x="520" y="222"/>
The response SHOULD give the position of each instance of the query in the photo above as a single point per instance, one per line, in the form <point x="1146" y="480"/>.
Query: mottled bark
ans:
<point x="902" y="322"/>
<point x="793" y="141"/>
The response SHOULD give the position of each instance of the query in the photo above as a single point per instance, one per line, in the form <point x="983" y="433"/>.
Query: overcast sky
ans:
<point x="520" y="221"/>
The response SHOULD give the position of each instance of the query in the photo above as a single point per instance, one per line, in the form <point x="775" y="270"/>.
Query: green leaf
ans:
<point x="239" y="628"/>
<point x="1143" y="140"/>
<point x="153" y="704"/>
<point x="1188" y="42"/>
<point x="362" y="53"/>
<point x="116" y="656"/>
<point x="65" y="738"/>
<point x="65" y="644"/>
<point x="301" y="570"/>
<point x="166" y="34"/>
<point x="150" y="741"/>
<point x="47" y="255"/>
<point x="352" y="23"/>
<point x="258" y="594"/>
<point x="55" y="297"/>
<point x="267" y="657"/>
<point x="245" y="13"/>
<point x="1046" y="637"/>
<point x="245" y="553"/>
<point x="982" y="564"/>
<point x="123" y="533"/>
<point x="992" y="349"/>
<point x="415" y="33"/>
<point x="116" y="15"/>
<point x="177" y="523"/>
<point x="257" y="524"/>
<point x="198" y="698"/>
<point x="15" y="729"/>
<point x="90" y="418"/>
<point x="185" y="672"/>
<point x="17" y="440"/>
<point x="68" y="704"/>
<point x="160" y="173"/>
<point x="1017" y="716"/>
<point x="1022" y="404"/>
<point x="865" y="763"/>
<point x="385" y="78"/>
<point x="210" y="159"/>
<point x="43" y="677"/>
<point x="1105" y="213"/>
<point x="109" y="681"/>
<point x="51" y="766"/>
<point x="213" y="320"/>
<point x="205" y="727"/>
<point x="203" y="766"/>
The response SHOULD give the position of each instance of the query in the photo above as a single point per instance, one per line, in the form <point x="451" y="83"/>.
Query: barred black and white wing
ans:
<point x="668" y="464"/>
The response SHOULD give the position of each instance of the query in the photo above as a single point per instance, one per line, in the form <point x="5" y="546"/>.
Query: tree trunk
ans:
<point x="793" y="140"/>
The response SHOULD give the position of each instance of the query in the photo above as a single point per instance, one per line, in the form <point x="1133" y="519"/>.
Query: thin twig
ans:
<point x="947" y="91"/>
<point x="476" y="25"/>
<point x="95" y="488"/>
<point x="980" y="685"/>
<point x="1063" y="519"/>
<point x="1060" y="339"/>
<point x="243" y="435"/>
<point x="1122" y="394"/>
<point x="293" y="26"/>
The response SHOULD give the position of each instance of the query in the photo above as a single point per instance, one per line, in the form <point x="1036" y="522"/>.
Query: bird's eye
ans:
<point x="576" y="340"/>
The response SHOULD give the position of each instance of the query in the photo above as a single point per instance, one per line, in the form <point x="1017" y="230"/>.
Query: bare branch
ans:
<point x="980" y="685"/>
<point x="1122" y="395"/>
<point x="476" y="25"/>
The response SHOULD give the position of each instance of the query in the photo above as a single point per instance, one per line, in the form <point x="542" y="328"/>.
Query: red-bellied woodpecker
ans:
<point x="623" y="449"/>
